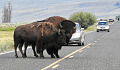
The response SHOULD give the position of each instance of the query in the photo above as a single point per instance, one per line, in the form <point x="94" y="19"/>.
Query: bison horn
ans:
<point x="74" y="27"/>
<point x="59" y="31"/>
<point x="61" y="25"/>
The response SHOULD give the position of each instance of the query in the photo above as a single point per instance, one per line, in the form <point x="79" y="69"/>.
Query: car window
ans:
<point x="102" y="23"/>
<point x="77" y="28"/>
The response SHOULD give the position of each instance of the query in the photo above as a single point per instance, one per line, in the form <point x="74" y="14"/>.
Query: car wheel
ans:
<point x="108" y="30"/>
<point x="79" y="44"/>
<point x="83" y="44"/>
<point x="97" y="30"/>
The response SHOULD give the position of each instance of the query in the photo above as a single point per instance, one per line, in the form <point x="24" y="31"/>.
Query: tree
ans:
<point x="6" y="17"/>
<point x="85" y="19"/>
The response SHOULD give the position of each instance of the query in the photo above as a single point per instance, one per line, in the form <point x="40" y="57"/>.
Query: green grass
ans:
<point x="91" y="28"/>
<point x="7" y="28"/>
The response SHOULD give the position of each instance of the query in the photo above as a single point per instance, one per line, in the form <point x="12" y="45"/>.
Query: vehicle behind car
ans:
<point x="103" y="26"/>
<point x="78" y="37"/>
<point x="111" y="20"/>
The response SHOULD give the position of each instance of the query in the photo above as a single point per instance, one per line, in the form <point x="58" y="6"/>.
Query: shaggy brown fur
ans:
<point x="44" y="35"/>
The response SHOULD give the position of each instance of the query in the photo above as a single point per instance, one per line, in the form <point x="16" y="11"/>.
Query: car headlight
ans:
<point x="98" y="27"/>
<point x="107" y="27"/>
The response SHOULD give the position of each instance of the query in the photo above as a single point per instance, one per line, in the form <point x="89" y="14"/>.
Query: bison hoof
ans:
<point x="16" y="56"/>
<point x="41" y="57"/>
<point x="53" y="56"/>
<point x="58" y="56"/>
<point x="24" y="56"/>
<point x="36" y="55"/>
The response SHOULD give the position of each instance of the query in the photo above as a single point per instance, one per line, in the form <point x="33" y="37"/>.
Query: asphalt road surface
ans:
<point x="101" y="52"/>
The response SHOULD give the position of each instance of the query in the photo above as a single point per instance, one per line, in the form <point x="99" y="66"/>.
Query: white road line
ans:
<point x="11" y="51"/>
<point x="6" y="52"/>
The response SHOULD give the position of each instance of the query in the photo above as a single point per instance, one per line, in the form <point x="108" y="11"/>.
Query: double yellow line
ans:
<point x="65" y="57"/>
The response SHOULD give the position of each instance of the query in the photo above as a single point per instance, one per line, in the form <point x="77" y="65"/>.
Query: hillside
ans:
<point x="30" y="10"/>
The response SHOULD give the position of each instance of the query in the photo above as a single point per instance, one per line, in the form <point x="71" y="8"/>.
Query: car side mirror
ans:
<point x="82" y="29"/>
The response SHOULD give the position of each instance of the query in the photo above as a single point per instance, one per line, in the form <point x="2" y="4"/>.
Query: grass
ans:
<point x="7" y="28"/>
<point x="6" y="36"/>
<point x="91" y="28"/>
<point x="6" y="40"/>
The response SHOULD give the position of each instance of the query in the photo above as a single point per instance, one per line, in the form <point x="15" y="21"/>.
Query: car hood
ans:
<point x="76" y="35"/>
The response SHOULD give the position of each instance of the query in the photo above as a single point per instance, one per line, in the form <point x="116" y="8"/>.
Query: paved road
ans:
<point x="101" y="52"/>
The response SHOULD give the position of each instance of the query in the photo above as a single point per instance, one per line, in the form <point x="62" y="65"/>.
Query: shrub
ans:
<point x="85" y="19"/>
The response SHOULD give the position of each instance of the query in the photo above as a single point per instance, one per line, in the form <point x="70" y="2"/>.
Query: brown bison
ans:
<point x="43" y="35"/>
<point x="60" y="23"/>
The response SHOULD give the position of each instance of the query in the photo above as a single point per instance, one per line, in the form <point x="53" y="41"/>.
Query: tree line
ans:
<point x="7" y="10"/>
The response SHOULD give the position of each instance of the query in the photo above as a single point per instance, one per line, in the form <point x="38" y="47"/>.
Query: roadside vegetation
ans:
<point x="6" y="36"/>
<point x="85" y="19"/>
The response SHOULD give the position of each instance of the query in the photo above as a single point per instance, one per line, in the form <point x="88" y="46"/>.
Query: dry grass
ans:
<point x="6" y="40"/>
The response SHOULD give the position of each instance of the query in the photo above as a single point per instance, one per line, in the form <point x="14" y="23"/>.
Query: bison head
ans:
<point x="69" y="28"/>
<point x="61" y="38"/>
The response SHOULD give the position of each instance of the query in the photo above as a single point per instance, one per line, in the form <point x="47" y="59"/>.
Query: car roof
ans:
<point x="102" y="21"/>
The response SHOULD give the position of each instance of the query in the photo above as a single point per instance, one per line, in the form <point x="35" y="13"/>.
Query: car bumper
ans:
<point x="102" y="29"/>
<point x="74" y="41"/>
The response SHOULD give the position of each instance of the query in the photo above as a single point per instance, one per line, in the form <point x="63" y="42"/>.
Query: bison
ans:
<point x="60" y="23"/>
<point x="43" y="34"/>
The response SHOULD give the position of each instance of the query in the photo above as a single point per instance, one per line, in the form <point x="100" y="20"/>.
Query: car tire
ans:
<point x="97" y="30"/>
<point x="79" y="44"/>
<point x="83" y="44"/>
<point x="108" y="30"/>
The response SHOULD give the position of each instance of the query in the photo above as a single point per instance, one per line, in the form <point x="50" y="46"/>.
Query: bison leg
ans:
<point x="25" y="50"/>
<point x="33" y="48"/>
<point x="20" y="48"/>
<point x="39" y="49"/>
<point x="56" y="53"/>
<point x="15" y="47"/>
<point x="50" y="52"/>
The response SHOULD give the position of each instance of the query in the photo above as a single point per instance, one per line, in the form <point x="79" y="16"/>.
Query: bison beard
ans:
<point x="44" y="34"/>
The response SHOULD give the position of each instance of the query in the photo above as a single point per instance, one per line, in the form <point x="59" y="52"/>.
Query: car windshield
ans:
<point x="77" y="28"/>
<point x="102" y="23"/>
<point x="110" y="19"/>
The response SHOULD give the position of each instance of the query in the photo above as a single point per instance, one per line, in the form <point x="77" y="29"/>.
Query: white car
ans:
<point x="78" y="37"/>
<point x="103" y="26"/>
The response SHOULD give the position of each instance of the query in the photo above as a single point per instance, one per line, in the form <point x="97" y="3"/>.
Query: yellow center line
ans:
<point x="65" y="57"/>
<point x="80" y="51"/>
<point x="95" y="41"/>
<point x="98" y="39"/>
<point x="71" y="56"/>
<point x="88" y="47"/>
<point x="55" y="66"/>
<point x="93" y="44"/>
